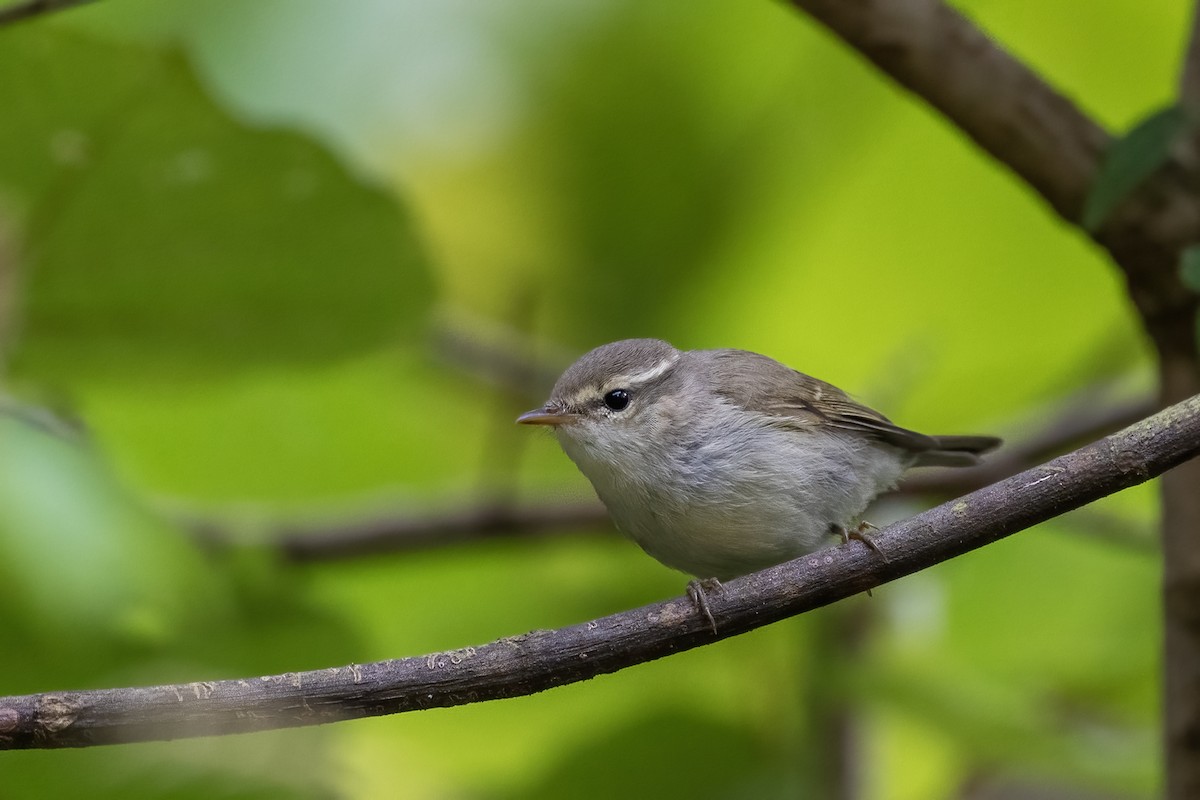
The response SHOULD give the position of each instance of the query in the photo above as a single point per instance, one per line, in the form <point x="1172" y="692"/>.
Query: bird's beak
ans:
<point x="546" y="415"/>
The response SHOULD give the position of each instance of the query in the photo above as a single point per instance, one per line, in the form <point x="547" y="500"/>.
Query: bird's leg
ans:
<point x="698" y="591"/>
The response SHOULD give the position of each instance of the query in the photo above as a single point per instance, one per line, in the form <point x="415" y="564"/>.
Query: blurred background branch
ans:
<point x="935" y="52"/>
<point x="28" y="9"/>
<point x="938" y="54"/>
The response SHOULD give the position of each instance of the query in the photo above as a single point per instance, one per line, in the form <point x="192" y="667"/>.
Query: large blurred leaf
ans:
<point x="1189" y="268"/>
<point x="160" y="229"/>
<point x="80" y="561"/>
<point x="96" y="591"/>
<point x="86" y="569"/>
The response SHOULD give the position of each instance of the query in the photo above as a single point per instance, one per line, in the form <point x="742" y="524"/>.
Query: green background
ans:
<point x="236" y="237"/>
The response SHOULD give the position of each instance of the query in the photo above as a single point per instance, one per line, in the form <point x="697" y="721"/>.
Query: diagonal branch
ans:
<point x="544" y="659"/>
<point x="1008" y="110"/>
<point x="936" y="53"/>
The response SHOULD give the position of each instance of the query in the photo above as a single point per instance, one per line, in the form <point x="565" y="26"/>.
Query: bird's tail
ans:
<point x="956" y="451"/>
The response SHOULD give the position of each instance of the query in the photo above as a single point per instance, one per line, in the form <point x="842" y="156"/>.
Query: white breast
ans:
<point x="737" y="495"/>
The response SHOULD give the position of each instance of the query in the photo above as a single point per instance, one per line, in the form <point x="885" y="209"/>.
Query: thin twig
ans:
<point x="504" y="358"/>
<point x="541" y="660"/>
<point x="20" y="12"/>
<point x="395" y="533"/>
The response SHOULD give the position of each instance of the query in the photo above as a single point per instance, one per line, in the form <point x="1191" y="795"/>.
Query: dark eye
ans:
<point x="617" y="399"/>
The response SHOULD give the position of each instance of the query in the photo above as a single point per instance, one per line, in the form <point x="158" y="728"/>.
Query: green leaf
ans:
<point x="1130" y="160"/>
<point x="161" y="231"/>
<point x="1189" y="273"/>
<point x="1189" y="268"/>
<point x="80" y="560"/>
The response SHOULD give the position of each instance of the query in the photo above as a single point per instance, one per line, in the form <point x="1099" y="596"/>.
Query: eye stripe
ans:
<point x="646" y="375"/>
<point x="631" y="381"/>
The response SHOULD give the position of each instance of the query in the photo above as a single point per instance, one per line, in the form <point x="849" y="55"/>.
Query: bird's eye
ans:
<point x="617" y="399"/>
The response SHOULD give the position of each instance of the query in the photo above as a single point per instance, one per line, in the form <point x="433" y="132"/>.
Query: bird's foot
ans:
<point x="697" y="591"/>
<point x="859" y="533"/>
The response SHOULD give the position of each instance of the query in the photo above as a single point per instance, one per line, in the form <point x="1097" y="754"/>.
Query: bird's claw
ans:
<point x="697" y="591"/>
<point x="860" y="534"/>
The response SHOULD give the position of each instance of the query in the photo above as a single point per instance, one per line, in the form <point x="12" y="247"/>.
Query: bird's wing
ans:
<point x="801" y="402"/>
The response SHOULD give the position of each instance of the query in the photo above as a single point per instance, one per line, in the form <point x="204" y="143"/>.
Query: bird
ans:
<point x="723" y="462"/>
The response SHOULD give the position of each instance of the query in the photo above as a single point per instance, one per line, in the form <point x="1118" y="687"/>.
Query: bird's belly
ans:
<point x="725" y="545"/>
<point x="734" y="512"/>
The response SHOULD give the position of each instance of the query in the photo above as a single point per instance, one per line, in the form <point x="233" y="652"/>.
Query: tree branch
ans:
<point x="19" y="12"/>
<point x="393" y="533"/>
<point x="936" y="53"/>
<point x="1189" y="76"/>
<point x="499" y="356"/>
<point x="541" y="660"/>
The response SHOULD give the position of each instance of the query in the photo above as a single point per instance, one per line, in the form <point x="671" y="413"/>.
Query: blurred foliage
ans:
<point x="232" y="225"/>
<point x="218" y="245"/>
<point x="1132" y="159"/>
